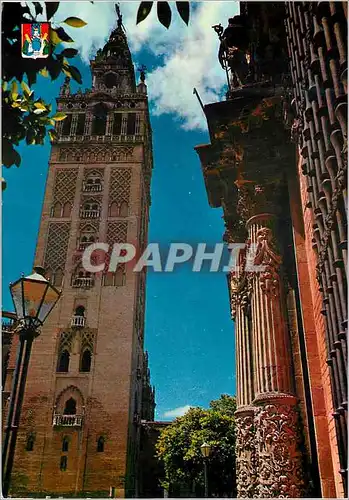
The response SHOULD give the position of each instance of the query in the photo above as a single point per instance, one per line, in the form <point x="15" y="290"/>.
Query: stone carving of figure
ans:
<point x="233" y="48"/>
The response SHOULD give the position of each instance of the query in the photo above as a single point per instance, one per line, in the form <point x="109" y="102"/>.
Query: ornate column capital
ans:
<point x="255" y="199"/>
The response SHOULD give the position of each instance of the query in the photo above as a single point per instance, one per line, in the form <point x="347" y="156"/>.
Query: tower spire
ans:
<point x="120" y="26"/>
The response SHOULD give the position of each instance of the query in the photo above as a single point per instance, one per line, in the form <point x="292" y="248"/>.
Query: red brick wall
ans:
<point x="314" y="331"/>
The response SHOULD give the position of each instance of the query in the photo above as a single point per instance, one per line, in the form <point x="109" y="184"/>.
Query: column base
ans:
<point x="269" y="460"/>
<point x="278" y="446"/>
<point x="246" y="463"/>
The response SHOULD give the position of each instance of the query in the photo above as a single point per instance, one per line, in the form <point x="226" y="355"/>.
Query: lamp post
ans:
<point x="34" y="298"/>
<point x="205" y="450"/>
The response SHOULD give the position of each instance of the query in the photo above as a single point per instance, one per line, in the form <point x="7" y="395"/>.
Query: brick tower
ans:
<point x="81" y="417"/>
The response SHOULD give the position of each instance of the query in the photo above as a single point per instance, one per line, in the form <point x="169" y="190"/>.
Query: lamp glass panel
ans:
<point x="205" y="449"/>
<point x="16" y="290"/>
<point x="33" y="294"/>
<point x="50" y="300"/>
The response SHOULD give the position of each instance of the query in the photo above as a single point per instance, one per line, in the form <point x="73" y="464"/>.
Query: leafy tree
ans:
<point x="179" y="445"/>
<point x="225" y="404"/>
<point x="25" y="117"/>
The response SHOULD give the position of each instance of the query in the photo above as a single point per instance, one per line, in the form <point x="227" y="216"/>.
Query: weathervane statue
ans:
<point x="118" y="12"/>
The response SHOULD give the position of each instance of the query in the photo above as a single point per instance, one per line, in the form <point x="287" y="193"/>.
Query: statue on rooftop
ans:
<point x="118" y="12"/>
<point x="233" y="49"/>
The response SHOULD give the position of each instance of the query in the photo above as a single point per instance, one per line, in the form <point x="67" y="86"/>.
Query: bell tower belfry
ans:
<point x="81" y="416"/>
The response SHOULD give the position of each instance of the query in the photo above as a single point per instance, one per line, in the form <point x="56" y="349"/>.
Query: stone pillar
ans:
<point x="269" y="460"/>
<point x="246" y="466"/>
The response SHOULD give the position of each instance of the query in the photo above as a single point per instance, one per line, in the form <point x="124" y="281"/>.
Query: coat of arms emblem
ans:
<point x="36" y="40"/>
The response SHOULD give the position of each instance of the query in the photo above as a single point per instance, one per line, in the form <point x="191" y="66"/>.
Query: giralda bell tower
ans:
<point x="80" y="425"/>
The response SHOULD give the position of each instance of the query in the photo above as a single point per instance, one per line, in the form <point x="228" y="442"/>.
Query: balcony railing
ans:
<point x="101" y="138"/>
<point x="92" y="188"/>
<point x="83" y="282"/>
<point x="67" y="420"/>
<point x="89" y="214"/>
<point x="8" y="321"/>
<point x="77" y="322"/>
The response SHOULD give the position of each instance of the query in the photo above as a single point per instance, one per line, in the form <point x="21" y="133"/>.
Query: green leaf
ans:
<point x="51" y="9"/>
<point x="62" y="35"/>
<point x="143" y="11"/>
<point x="4" y="86"/>
<point x="164" y="14"/>
<point x="44" y="72"/>
<point x="9" y="154"/>
<point x="26" y="89"/>
<point x="68" y="53"/>
<point x="14" y="87"/>
<point x="52" y="134"/>
<point x="59" y="116"/>
<point x="38" y="111"/>
<point x="75" y="22"/>
<point x="184" y="11"/>
<point x="38" y="8"/>
<point x="39" y="105"/>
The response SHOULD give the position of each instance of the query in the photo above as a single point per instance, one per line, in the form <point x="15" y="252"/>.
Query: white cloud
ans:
<point x="187" y="56"/>
<point x="177" y="412"/>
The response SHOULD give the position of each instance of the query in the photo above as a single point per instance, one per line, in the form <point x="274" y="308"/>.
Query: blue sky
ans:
<point x="189" y="334"/>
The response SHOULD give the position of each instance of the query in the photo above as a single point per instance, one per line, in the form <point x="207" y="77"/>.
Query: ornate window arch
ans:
<point x="100" y="444"/>
<point x="99" y="121"/>
<point x="65" y="444"/>
<point x="30" y="442"/>
<point x="70" y="407"/>
<point x="85" y="361"/>
<point x="57" y="210"/>
<point x="63" y="361"/>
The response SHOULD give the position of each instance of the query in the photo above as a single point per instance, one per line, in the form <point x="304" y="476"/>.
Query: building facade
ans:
<point x="277" y="165"/>
<point x="80" y="426"/>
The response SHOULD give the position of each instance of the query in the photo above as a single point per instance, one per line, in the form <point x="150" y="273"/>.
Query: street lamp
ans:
<point x="34" y="298"/>
<point x="205" y="450"/>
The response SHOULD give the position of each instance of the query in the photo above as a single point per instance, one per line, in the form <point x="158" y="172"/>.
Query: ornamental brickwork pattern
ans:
<point x="57" y="245"/>
<point x="65" y="186"/>
<point x="120" y="185"/>
<point x="96" y="154"/>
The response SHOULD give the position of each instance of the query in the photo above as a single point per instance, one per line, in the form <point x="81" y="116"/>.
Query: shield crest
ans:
<point x="36" y="40"/>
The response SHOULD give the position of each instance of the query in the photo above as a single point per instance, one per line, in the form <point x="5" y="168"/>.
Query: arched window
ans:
<point x="114" y="210"/>
<point x="80" y="126"/>
<point x="100" y="444"/>
<point x="86" y="359"/>
<point x="63" y="463"/>
<point x="80" y="311"/>
<point x="63" y="361"/>
<point x="57" y="210"/>
<point x="109" y="279"/>
<point x="66" y="209"/>
<point x="30" y="443"/>
<point x="110" y="80"/>
<point x="67" y="124"/>
<point x="58" y="277"/>
<point x="99" y="122"/>
<point x="119" y="277"/>
<point x="124" y="209"/>
<point x="70" y="407"/>
<point x="131" y="123"/>
<point x="65" y="444"/>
